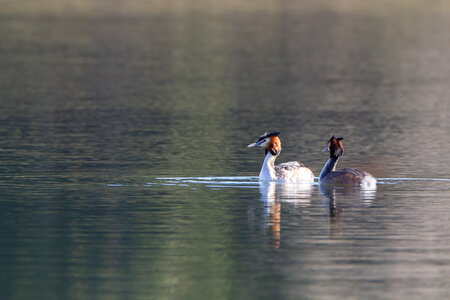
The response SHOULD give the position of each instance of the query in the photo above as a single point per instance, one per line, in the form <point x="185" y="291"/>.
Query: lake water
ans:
<point x="124" y="172"/>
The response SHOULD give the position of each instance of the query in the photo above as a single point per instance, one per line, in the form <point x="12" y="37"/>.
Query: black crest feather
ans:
<point x="266" y="135"/>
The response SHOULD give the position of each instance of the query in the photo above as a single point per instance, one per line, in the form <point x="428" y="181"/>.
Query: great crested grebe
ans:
<point x="347" y="176"/>
<point x="292" y="171"/>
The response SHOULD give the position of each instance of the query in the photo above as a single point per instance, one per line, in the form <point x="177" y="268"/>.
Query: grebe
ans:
<point x="292" y="171"/>
<point x="347" y="176"/>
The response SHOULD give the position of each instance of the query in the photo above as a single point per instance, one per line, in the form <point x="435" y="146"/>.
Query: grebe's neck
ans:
<point x="268" y="171"/>
<point x="329" y="167"/>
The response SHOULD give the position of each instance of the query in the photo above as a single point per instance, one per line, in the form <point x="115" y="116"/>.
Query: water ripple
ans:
<point x="253" y="182"/>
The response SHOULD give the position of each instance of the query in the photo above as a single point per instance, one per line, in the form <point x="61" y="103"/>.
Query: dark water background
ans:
<point x="110" y="110"/>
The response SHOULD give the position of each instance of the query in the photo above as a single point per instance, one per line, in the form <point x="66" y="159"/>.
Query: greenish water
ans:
<point x="124" y="172"/>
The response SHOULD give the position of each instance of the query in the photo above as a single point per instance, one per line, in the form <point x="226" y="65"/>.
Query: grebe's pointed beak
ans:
<point x="252" y="145"/>
<point x="325" y="149"/>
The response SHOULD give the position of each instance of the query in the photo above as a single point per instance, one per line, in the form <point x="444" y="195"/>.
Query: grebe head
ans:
<point x="270" y="142"/>
<point x="335" y="147"/>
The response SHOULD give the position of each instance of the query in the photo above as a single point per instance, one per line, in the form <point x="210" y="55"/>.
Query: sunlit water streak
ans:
<point x="253" y="182"/>
<point x="413" y="179"/>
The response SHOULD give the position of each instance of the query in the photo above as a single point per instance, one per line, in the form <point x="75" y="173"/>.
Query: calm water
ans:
<point x="124" y="172"/>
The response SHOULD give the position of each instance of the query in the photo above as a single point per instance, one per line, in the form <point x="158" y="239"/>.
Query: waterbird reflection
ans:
<point x="298" y="193"/>
<point x="272" y="196"/>
<point x="347" y="196"/>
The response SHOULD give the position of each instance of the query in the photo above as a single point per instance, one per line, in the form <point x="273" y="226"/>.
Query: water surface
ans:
<point x="124" y="172"/>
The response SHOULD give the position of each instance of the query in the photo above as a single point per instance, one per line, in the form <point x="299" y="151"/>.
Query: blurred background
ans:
<point x="180" y="87"/>
<point x="98" y="93"/>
